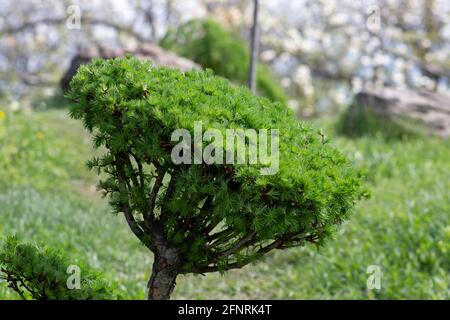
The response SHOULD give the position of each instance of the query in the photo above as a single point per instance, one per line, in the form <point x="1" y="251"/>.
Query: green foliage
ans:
<point x="211" y="46"/>
<point x="41" y="274"/>
<point x="48" y="196"/>
<point x="405" y="230"/>
<point x="214" y="215"/>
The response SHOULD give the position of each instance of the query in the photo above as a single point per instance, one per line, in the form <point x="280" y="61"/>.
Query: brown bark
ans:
<point x="164" y="274"/>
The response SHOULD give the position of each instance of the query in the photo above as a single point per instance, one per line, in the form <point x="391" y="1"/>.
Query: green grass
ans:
<point x="48" y="196"/>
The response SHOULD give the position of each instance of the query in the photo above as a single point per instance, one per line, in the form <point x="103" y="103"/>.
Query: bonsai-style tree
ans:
<point x="199" y="218"/>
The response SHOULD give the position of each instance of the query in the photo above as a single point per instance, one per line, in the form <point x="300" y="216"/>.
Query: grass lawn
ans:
<point x="48" y="196"/>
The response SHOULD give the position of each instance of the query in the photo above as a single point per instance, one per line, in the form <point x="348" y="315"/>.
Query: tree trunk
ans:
<point x="164" y="274"/>
<point x="254" y="48"/>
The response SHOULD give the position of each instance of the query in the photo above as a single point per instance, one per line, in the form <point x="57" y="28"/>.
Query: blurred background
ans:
<point x="375" y="75"/>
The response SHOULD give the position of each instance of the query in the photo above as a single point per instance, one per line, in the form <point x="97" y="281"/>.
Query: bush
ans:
<point x="211" y="46"/>
<point x="42" y="274"/>
<point x="359" y="122"/>
<point x="205" y="218"/>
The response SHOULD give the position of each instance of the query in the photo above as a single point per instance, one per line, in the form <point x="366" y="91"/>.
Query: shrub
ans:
<point x="211" y="46"/>
<point x="358" y="122"/>
<point x="205" y="218"/>
<point x="41" y="274"/>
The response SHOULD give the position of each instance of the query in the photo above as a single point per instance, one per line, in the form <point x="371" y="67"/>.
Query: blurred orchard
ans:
<point x="322" y="51"/>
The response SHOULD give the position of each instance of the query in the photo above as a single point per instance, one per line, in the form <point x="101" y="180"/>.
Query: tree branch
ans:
<point x="169" y="192"/>
<point x="153" y="194"/>
<point x="236" y="265"/>
<point x="244" y="241"/>
<point x="60" y="20"/>
<point x="125" y="207"/>
<point x="140" y="169"/>
<point x="214" y="238"/>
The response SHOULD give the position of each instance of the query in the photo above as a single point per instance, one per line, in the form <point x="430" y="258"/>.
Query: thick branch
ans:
<point x="220" y="236"/>
<point x="236" y="265"/>
<point x="125" y="207"/>
<point x="244" y="241"/>
<point x="153" y="195"/>
<point x="140" y="169"/>
<point x="169" y="192"/>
